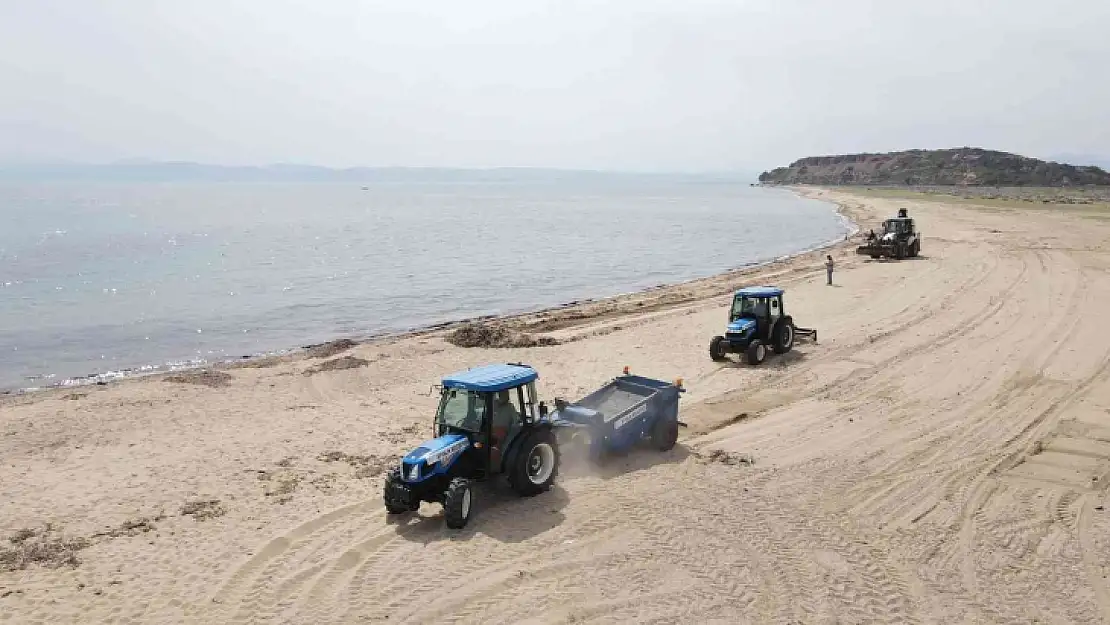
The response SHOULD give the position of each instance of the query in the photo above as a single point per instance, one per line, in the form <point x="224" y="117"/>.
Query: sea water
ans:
<point x="96" y="279"/>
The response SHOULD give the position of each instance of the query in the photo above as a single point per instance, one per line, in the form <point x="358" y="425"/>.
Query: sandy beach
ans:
<point x="941" y="455"/>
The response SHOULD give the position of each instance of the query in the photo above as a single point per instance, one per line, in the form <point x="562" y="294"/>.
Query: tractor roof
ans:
<point x="491" y="378"/>
<point x="760" y="291"/>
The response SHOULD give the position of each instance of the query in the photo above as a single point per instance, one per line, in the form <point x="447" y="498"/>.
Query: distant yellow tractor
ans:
<point x="899" y="239"/>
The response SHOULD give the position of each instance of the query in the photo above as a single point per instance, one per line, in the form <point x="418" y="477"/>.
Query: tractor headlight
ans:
<point x="414" y="472"/>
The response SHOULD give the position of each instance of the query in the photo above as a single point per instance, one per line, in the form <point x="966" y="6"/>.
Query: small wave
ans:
<point x="129" y="372"/>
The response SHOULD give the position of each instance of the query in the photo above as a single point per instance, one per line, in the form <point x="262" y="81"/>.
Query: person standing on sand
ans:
<point x="829" y="268"/>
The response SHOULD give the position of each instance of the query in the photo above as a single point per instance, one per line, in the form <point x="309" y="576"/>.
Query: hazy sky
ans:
<point x="623" y="84"/>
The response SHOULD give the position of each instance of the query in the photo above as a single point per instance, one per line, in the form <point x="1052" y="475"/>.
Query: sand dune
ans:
<point x="941" y="455"/>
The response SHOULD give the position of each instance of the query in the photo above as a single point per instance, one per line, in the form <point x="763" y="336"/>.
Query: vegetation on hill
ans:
<point x="958" y="166"/>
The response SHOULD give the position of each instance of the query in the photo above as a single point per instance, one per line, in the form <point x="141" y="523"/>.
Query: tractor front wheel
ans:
<point x="757" y="351"/>
<point x="457" y="501"/>
<point x="716" y="349"/>
<point x="784" y="336"/>
<point x="664" y="434"/>
<point x="536" y="465"/>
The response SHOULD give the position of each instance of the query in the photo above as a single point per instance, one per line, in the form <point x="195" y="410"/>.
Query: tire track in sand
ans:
<point x="230" y="593"/>
<point x="1092" y="564"/>
<point x="376" y="592"/>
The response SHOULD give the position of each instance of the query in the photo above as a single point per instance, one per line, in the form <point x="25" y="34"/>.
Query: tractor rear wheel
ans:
<point x="664" y="434"/>
<point x="757" y="351"/>
<point x="716" y="352"/>
<point x="784" y="336"/>
<point x="915" y="249"/>
<point x="457" y="502"/>
<point x="392" y="506"/>
<point x="536" y="465"/>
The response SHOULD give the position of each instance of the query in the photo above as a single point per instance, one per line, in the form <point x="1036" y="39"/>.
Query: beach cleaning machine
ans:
<point x="626" y="412"/>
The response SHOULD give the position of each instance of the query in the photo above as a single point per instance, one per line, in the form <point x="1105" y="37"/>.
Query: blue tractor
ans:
<point x="757" y="321"/>
<point x="488" y="423"/>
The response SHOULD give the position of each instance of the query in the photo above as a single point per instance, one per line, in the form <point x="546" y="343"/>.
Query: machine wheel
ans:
<point x="536" y="464"/>
<point x="715" y="351"/>
<point x="899" y="251"/>
<point x="457" y="502"/>
<point x="393" y="506"/>
<point x="784" y="336"/>
<point x="757" y="351"/>
<point x="915" y="249"/>
<point x="664" y="434"/>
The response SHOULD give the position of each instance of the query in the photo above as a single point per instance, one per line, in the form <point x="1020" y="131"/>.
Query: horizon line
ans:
<point x="140" y="162"/>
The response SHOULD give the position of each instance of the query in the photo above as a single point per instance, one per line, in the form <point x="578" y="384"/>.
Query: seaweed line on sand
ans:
<point x="202" y="377"/>
<point x="338" y="364"/>
<point x="495" y="335"/>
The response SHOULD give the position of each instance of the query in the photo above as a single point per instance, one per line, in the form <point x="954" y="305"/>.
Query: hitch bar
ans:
<point x="806" y="333"/>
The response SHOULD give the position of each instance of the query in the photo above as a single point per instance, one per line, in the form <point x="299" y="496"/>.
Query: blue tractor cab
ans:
<point x="757" y="320"/>
<point x="488" y="423"/>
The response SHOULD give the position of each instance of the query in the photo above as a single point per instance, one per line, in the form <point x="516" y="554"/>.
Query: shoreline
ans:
<point x="849" y="220"/>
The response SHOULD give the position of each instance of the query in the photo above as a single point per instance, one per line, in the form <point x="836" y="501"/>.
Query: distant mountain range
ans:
<point x="957" y="166"/>
<point x="176" y="171"/>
